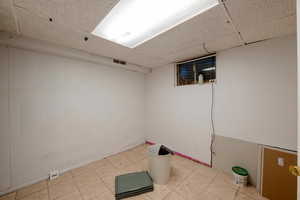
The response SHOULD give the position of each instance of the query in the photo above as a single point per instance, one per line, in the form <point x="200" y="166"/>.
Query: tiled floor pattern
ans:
<point x="95" y="181"/>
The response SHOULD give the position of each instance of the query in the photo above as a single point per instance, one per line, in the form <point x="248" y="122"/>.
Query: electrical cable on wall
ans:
<point x="212" y="135"/>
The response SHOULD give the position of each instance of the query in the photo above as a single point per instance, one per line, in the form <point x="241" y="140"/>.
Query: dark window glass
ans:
<point x="197" y="71"/>
<point x="186" y="74"/>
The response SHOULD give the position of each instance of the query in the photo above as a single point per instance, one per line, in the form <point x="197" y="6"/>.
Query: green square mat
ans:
<point x="132" y="184"/>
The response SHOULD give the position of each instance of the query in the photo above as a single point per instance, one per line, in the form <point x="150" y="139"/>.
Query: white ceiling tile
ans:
<point x="7" y="21"/>
<point x="186" y="53"/>
<point x="43" y="29"/>
<point x="39" y="28"/>
<point x="105" y="47"/>
<point x="80" y="15"/>
<point x="182" y="42"/>
<point x="225" y="42"/>
<point x="146" y="60"/>
<point x="75" y="19"/>
<point x="263" y="19"/>
<point x="186" y="40"/>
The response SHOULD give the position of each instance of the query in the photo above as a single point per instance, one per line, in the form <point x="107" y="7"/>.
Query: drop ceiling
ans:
<point x="230" y="24"/>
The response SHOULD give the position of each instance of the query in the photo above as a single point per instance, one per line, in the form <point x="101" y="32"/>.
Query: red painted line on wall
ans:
<point x="183" y="156"/>
<point x="150" y="143"/>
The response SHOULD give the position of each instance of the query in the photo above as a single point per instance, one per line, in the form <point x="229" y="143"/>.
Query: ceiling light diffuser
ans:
<point x="133" y="22"/>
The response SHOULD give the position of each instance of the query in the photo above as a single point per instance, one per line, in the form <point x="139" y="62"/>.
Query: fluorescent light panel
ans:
<point x="133" y="22"/>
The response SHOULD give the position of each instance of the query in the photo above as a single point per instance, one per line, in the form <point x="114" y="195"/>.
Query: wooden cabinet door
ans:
<point x="277" y="182"/>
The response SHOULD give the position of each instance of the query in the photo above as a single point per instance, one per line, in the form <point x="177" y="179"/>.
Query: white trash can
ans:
<point x="159" y="165"/>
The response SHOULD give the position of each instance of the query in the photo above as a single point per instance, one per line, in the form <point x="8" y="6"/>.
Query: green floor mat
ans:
<point x="133" y="184"/>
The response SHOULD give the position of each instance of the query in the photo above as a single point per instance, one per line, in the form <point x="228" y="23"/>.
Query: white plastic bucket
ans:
<point x="160" y="168"/>
<point x="240" y="175"/>
<point x="240" y="180"/>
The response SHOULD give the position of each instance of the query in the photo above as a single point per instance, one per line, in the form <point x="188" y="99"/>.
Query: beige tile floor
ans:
<point x="95" y="181"/>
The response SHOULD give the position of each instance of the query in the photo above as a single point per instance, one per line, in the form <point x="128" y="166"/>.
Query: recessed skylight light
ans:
<point x="132" y="22"/>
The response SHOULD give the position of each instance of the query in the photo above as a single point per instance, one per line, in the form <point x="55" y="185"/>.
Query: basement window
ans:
<point x="196" y="71"/>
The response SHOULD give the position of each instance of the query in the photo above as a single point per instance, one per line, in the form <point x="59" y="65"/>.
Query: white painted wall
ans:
<point x="255" y="101"/>
<point x="178" y="117"/>
<point x="65" y="113"/>
<point x="256" y="93"/>
<point x="4" y="122"/>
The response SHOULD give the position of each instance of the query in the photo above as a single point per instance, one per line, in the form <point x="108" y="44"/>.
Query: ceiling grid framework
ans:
<point x="230" y="24"/>
<point x="230" y="20"/>
<point x="263" y="19"/>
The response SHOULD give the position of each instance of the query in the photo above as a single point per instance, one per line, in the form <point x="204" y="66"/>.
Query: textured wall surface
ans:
<point x="65" y="112"/>
<point x="4" y="120"/>
<point x="256" y="93"/>
<point x="255" y="100"/>
<point x="178" y="116"/>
